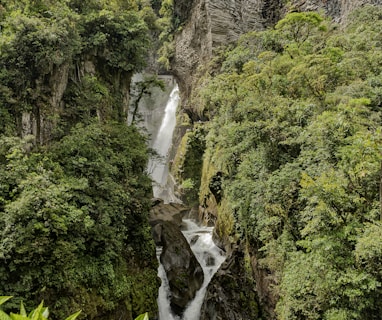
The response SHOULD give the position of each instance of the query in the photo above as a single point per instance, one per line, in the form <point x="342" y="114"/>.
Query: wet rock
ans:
<point x="161" y="211"/>
<point x="184" y="272"/>
<point x="194" y="240"/>
<point x="209" y="258"/>
<point x="231" y="293"/>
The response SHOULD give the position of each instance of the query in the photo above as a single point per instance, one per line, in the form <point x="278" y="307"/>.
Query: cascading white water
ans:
<point x="164" y="293"/>
<point x="210" y="258"/>
<point x="158" y="166"/>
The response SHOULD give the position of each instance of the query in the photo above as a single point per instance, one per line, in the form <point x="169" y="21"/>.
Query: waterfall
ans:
<point x="158" y="166"/>
<point x="210" y="257"/>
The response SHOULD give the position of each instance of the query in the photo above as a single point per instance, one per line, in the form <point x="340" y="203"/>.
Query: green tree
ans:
<point x="75" y="223"/>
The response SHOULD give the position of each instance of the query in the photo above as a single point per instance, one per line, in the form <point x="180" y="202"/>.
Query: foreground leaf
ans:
<point x="4" y="316"/>
<point x="4" y="299"/>
<point x="73" y="316"/>
<point x="144" y="316"/>
<point x="22" y="309"/>
<point x="15" y="316"/>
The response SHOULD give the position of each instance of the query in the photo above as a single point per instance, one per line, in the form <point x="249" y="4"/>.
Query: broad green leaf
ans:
<point x="36" y="313"/>
<point x="22" y="309"/>
<point x="144" y="316"/>
<point x="4" y="299"/>
<point x="45" y="312"/>
<point x="4" y="316"/>
<point x="73" y="316"/>
<point x="15" y="316"/>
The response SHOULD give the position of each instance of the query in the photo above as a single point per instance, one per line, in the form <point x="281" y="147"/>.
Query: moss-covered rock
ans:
<point x="224" y="231"/>
<point x="188" y="162"/>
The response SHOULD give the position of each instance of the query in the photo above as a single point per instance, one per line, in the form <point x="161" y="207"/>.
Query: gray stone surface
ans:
<point x="184" y="273"/>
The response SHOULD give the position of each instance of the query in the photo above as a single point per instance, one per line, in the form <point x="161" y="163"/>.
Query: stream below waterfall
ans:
<point x="210" y="258"/>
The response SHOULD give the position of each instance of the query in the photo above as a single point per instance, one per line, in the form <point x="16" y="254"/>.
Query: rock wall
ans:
<point x="211" y="24"/>
<point x="184" y="273"/>
<point x="231" y="293"/>
<point x="49" y="97"/>
<point x="42" y="120"/>
<point x="337" y="9"/>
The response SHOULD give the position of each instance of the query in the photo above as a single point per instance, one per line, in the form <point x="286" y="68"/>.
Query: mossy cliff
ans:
<point x="187" y="164"/>
<point x="290" y="173"/>
<point x="67" y="63"/>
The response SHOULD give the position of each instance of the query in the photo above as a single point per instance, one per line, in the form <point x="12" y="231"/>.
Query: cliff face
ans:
<point x="337" y="9"/>
<point x="42" y="120"/>
<point x="208" y="24"/>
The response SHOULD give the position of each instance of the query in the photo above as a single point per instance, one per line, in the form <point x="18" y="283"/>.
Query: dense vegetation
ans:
<point x="39" y="313"/>
<point x="293" y="152"/>
<point x="74" y="194"/>
<point x="292" y="158"/>
<point x="68" y="61"/>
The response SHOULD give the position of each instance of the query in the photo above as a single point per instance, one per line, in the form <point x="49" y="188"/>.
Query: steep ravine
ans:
<point x="187" y="254"/>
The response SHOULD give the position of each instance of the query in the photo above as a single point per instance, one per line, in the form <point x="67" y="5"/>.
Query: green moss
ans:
<point x="187" y="165"/>
<point x="144" y="291"/>
<point x="181" y="282"/>
<point x="208" y="171"/>
<point x="225" y="223"/>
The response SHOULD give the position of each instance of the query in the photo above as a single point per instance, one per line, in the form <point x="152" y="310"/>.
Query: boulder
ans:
<point x="231" y="293"/>
<point x="160" y="212"/>
<point x="184" y="273"/>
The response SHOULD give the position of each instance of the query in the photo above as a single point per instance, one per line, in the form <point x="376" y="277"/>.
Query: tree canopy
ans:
<point x="74" y="221"/>
<point x="295" y="135"/>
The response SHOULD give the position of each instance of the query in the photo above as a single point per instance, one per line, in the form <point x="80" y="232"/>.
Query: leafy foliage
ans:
<point x="40" y="313"/>
<point x="81" y="55"/>
<point x="119" y="38"/>
<point x="187" y="165"/>
<point x="73" y="215"/>
<point x="144" y="316"/>
<point x="74" y="195"/>
<point x="74" y="220"/>
<point x="295" y="132"/>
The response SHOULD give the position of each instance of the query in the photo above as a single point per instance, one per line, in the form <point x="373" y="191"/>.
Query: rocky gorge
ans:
<point x="270" y="187"/>
<point x="184" y="273"/>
